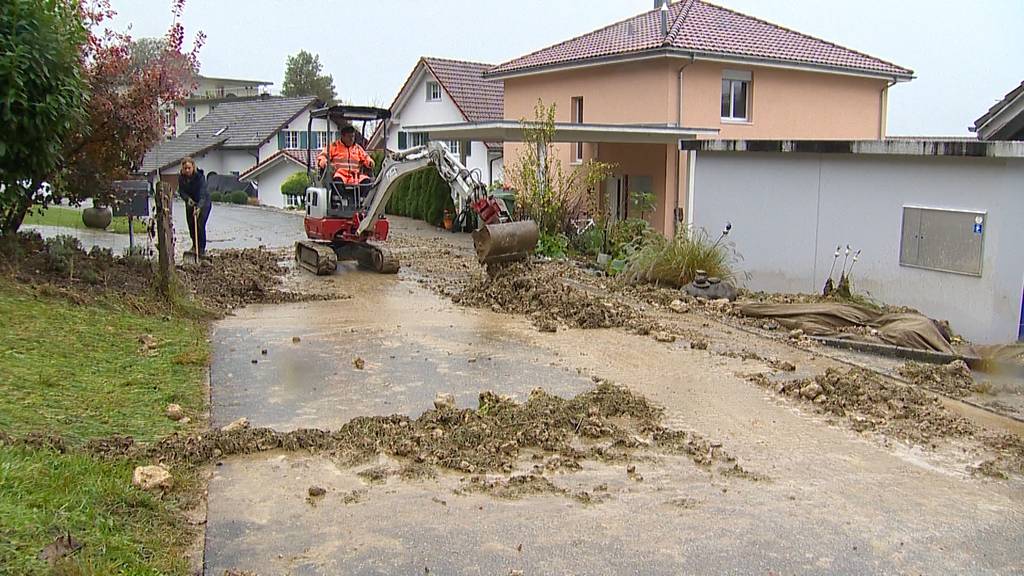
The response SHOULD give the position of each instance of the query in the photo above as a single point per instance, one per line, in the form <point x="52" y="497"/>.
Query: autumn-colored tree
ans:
<point x="126" y="95"/>
<point x="81" y="145"/>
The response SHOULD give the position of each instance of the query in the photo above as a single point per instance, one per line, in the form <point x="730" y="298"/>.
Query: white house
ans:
<point x="208" y="94"/>
<point x="270" y="174"/>
<point x="440" y="91"/>
<point x="241" y="135"/>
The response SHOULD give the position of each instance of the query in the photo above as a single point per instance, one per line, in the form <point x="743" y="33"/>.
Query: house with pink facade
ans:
<point x="627" y="94"/>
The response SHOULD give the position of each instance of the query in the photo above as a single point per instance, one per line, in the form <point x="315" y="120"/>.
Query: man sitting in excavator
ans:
<point x="347" y="158"/>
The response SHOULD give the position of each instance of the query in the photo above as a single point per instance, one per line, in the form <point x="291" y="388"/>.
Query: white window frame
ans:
<point x="576" y="106"/>
<point x="190" y="115"/>
<point x="415" y="139"/>
<point x="291" y="139"/>
<point x="453" y="146"/>
<point x="433" y="91"/>
<point x="734" y="79"/>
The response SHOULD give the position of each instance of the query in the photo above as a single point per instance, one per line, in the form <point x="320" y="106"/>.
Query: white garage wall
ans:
<point x="789" y="211"/>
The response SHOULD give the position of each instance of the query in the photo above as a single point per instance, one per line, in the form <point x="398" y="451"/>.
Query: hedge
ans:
<point x="423" y="195"/>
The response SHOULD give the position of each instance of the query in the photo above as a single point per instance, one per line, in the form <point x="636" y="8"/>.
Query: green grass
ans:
<point x="44" y="494"/>
<point x="78" y="371"/>
<point x="71" y="218"/>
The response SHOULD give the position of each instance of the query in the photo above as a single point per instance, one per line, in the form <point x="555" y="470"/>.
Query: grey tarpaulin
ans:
<point x="905" y="329"/>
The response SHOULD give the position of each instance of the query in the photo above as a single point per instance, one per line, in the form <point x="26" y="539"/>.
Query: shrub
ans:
<point x="675" y="262"/>
<point x="296" y="184"/>
<point x="216" y="197"/>
<point x="590" y="243"/>
<point x="61" y="252"/>
<point x="552" y="245"/>
<point x="238" y="197"/>
<point x="555" y="198"/>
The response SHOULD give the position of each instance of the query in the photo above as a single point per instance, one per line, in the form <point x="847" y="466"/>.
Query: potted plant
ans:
<point x="99" y="215"/>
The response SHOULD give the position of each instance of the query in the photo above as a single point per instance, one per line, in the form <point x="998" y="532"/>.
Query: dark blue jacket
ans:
<point x="194" y="188"/>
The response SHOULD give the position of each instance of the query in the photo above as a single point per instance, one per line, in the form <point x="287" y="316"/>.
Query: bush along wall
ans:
<point x="422" y="195"/>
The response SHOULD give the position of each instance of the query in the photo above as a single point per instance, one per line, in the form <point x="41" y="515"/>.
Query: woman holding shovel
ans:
<point x="192" y="189"/>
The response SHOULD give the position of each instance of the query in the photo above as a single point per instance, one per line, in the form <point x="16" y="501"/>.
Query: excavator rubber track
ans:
<point x="378" y="259"/>
<point x="319" y="259"/>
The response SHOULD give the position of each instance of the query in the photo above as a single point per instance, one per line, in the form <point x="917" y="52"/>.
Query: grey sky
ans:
<point x="966" y="55"/>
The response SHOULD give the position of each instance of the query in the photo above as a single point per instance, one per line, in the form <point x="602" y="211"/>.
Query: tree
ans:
<point x="302" y="77"/>
<point x="545" y="192"/>
<point x="128" y="90"/>
<point x="80" y="113"/>
<point x="43" y="96"/>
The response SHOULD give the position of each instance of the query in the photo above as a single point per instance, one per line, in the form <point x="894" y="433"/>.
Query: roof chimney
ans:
<point x="659" y="3"/>
<point x="664" y="18"/>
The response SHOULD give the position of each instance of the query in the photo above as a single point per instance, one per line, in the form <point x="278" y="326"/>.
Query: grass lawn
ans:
<point x="71" y="218"/>
<point x="44" y="494"/>
<point x="79" y="371"/>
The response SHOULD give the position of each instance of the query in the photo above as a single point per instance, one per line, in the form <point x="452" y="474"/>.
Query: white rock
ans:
<point x="239" y="424"/>
<point x="152" y="478"/>
<point x="679" y="307"/>
<point x="174" y="412"/>
<point x="444" y="400"/>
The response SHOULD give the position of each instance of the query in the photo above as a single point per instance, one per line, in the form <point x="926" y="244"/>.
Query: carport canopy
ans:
<point x="512" y="131"/>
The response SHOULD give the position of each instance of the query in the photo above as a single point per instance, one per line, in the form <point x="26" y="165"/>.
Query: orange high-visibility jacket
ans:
<point x="347" y="160"/>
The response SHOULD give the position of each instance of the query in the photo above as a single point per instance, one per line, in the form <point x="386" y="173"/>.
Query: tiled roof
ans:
<point x="479" y="99"/>
<point x="701" y="27"/>
<point x="169" y="152"/>
<point x="998" y="107"/>
<point x="236" y="124"/>
<point x="294" y="155"/>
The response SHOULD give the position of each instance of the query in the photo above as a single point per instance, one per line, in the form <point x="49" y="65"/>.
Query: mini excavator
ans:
<point x="347" y="222"/>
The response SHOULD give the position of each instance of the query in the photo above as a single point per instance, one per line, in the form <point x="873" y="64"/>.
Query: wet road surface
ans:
<point x="832" y="501"/>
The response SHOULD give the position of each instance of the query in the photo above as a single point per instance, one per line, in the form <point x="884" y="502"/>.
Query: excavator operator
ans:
<point x="347" y="158"/>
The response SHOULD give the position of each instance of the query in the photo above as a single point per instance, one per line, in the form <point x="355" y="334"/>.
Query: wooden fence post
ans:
<point x="164" y="238"/>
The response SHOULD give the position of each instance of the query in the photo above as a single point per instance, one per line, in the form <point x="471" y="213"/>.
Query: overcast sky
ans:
<point x="966" y="55"/>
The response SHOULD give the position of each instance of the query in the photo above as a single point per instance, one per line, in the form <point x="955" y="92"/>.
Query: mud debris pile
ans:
<point x="953" y="379"/>
<point x="608" y="423"/>
<point x="234" y="278"/>
<point x="540" y="290"/>
<point x="873" y="403"/>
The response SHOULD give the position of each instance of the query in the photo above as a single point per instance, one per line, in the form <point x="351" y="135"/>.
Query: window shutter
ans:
<point x="281" y="141"/>
<point x="402" y="142"/>
<point x="302" y="140"/>
<point x="468" y="148"/>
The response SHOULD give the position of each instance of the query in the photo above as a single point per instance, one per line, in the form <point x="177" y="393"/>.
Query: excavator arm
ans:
<point x="466" y="184"/>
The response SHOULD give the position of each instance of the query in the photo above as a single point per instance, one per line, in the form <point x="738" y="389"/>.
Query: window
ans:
<point x="291" y="139"/>
<point x="418" y="139"/>
<point x="944" y="240"/>
<point x="577" y="118"/>
<point x="169" y="118"/>
<point x="453" y="146"/>
<point x="190" y="115"/>
<point x="433" y="92"/>
<point x="735" y="95"/>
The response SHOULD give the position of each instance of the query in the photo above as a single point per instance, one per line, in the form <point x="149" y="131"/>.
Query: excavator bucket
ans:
<point x="497" y="243"/>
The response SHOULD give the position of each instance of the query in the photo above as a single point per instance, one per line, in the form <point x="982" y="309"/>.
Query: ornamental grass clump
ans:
<point x="675" y="262"/>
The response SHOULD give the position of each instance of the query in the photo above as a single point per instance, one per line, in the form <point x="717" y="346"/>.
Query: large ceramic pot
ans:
<point x="97" y="217"/>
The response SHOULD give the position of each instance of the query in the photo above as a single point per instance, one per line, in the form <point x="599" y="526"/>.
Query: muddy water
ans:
<point x="833" y="501"/>
<point x="410" y="346"/>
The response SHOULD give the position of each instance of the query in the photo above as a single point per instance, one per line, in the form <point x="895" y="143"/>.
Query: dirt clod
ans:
<point x="664" y="337"/>
<point x="316" y="491"/>
<point x="359" y="363"/>
<point x="699" y="344"/>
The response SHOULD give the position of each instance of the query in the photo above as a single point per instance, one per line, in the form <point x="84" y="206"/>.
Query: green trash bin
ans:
<point x="508" y="197"/>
